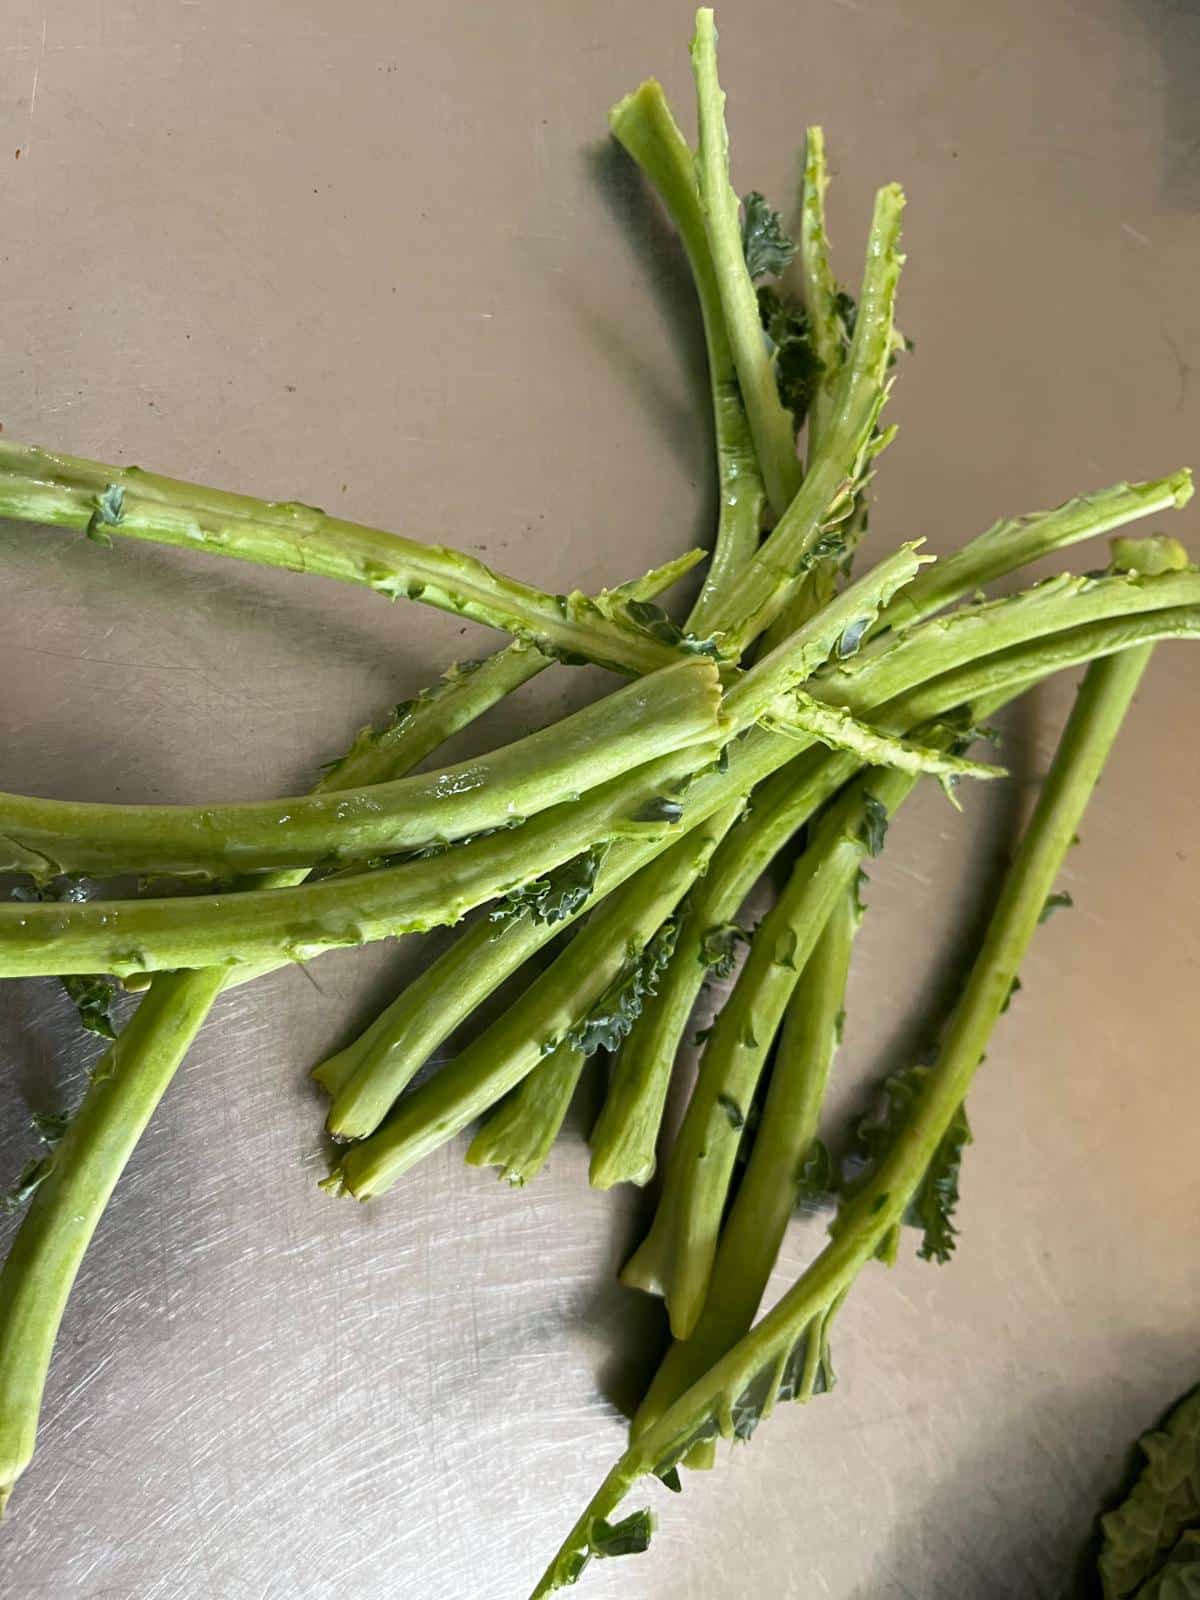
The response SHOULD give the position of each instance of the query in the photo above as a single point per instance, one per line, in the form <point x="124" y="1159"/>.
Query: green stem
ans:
<point x="267" y="924"/>
<point x="46" y="1253"/>
<point x="645" y="127"/>
<point x="676" y="1257"/>
<point x="827" y="495"/>
<point x="767" y="1195"/>
<point x="366" y="1078"/>
<point x="1014" y="542"/>
<point x="654" y="716"/>
<point x="820" y="289"/>
<point x="68" y="492"/>
<point x="770" y="422"/>
<point x="742" y="1387"/>
<point x="529" y="1030"/>
<point x="518" y="1136"/>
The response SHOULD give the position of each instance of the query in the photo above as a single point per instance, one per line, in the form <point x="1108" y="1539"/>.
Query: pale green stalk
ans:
<point x="519" y="1134"/>
<point x="68" y="492"/>
<point x="777" y="1356"/>
<point x="773" y="1180"/>
<point x="825" y="331"/>
<point x="651" y="717"/>
<point x="771" y="423"/>
<point x="645" y="127"/>
<point x="844" y="452"/>
<point x="676" y="1257"/>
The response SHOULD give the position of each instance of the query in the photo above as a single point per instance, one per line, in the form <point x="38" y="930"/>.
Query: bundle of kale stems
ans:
<point x="789" y="716"/>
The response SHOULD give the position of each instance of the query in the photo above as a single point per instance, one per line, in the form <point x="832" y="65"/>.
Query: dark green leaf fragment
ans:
<point x="92" y="996"/>
<point x="629" y="1537"/>
<point x="852" y="637"/>
<point x="875" y="823"/>
<point x="670" y="1480"/>
<point x="1014" y="988"/>
<point x="814" y="1177"/>
<point x="1163" y="1504"/>
<point x="660" y="809"/>
<point x="1059" y="900"/>
<point x="797" y="366"/>
<point x="29" y="1179"/>
<point x="767" y="248"/>
<point x="846" y="309"/>
<point x="718" y="948"/>
<point x="733" y="1112"/>
<point x="932" y="1206"/>
<point x="49" y="1126"/>
<point x="618" y="1008"/>
<point x="556" y="896"/>
<point x="109" y="512"/>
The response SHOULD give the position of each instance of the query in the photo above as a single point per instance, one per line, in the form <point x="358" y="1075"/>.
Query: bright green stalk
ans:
<point x="365" y="1078"/>
<point x="779" y="1357"/>
<point x="893" y="664"/>
<point x="529" y="1030"/>
<point x="767" y="1195"/>
<point x="40" y="1270"/>
<point x="676" y="1257"/>
<point x="1014" y="542"/>
<point x="645" y="127"/>
<point x="654" y="716"/>
<point x="264" y="925"/>
<point x="770" y="422"/>
<point x="518" y="1136"/>
<point x="826" y="497"/>
<point x="44" y="1260"/>
<point x="68" y="492"/>
<point x="820" y="289"/>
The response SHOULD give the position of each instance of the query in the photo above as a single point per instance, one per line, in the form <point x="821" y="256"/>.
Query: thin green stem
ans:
<point x="1014" y="542"/>
<point x="519" y="1134"/>
<point x="827" y="495"/>
<point x="68" y="492"/>
<point x="766" y="1198"/>
<point x="820" y="288"/>
<point x="537" y="1024"/>
<point x="770" y="422"/>
<point x="676" y="1257"/>
<point x="42" y="1263"/>
<point x="654" y="716"/>
<point x="646" y="128"/>
<point x="744" y="1384"/>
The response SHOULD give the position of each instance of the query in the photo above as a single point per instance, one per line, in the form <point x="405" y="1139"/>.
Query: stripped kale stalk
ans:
<point x="646" y="128"/>
<point x="641" y="721"/>
<point x="770" y="423"/>
<point x="68" y="492"/>
<point x="781" y="1357"/>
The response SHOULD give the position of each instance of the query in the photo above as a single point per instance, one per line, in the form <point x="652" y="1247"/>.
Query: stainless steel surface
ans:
<point x="380" y="257"/>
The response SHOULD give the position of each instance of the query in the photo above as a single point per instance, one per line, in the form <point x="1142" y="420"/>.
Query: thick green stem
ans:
<point x="1014" y="542"/>
<point x="298" y="923"/>
<point x="827" y="495"/>
<point x="67" y="492"/>
<point x="46" y="1253"/>
<point x="645" y="127"/>
<point x="676" y="1257"/>
<point x="770" y="422"/>
<point x="744" y="1384"/>
<point x="367" y="1076"/>
<point x="654" y="716"/>
<point x="519" y="1134"/>
<point x="533" y="1027"/>
<point x="767" y="1195"/>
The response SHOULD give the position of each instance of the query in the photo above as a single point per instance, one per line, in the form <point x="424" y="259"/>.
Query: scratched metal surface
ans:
<point x="378" y="257"/>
